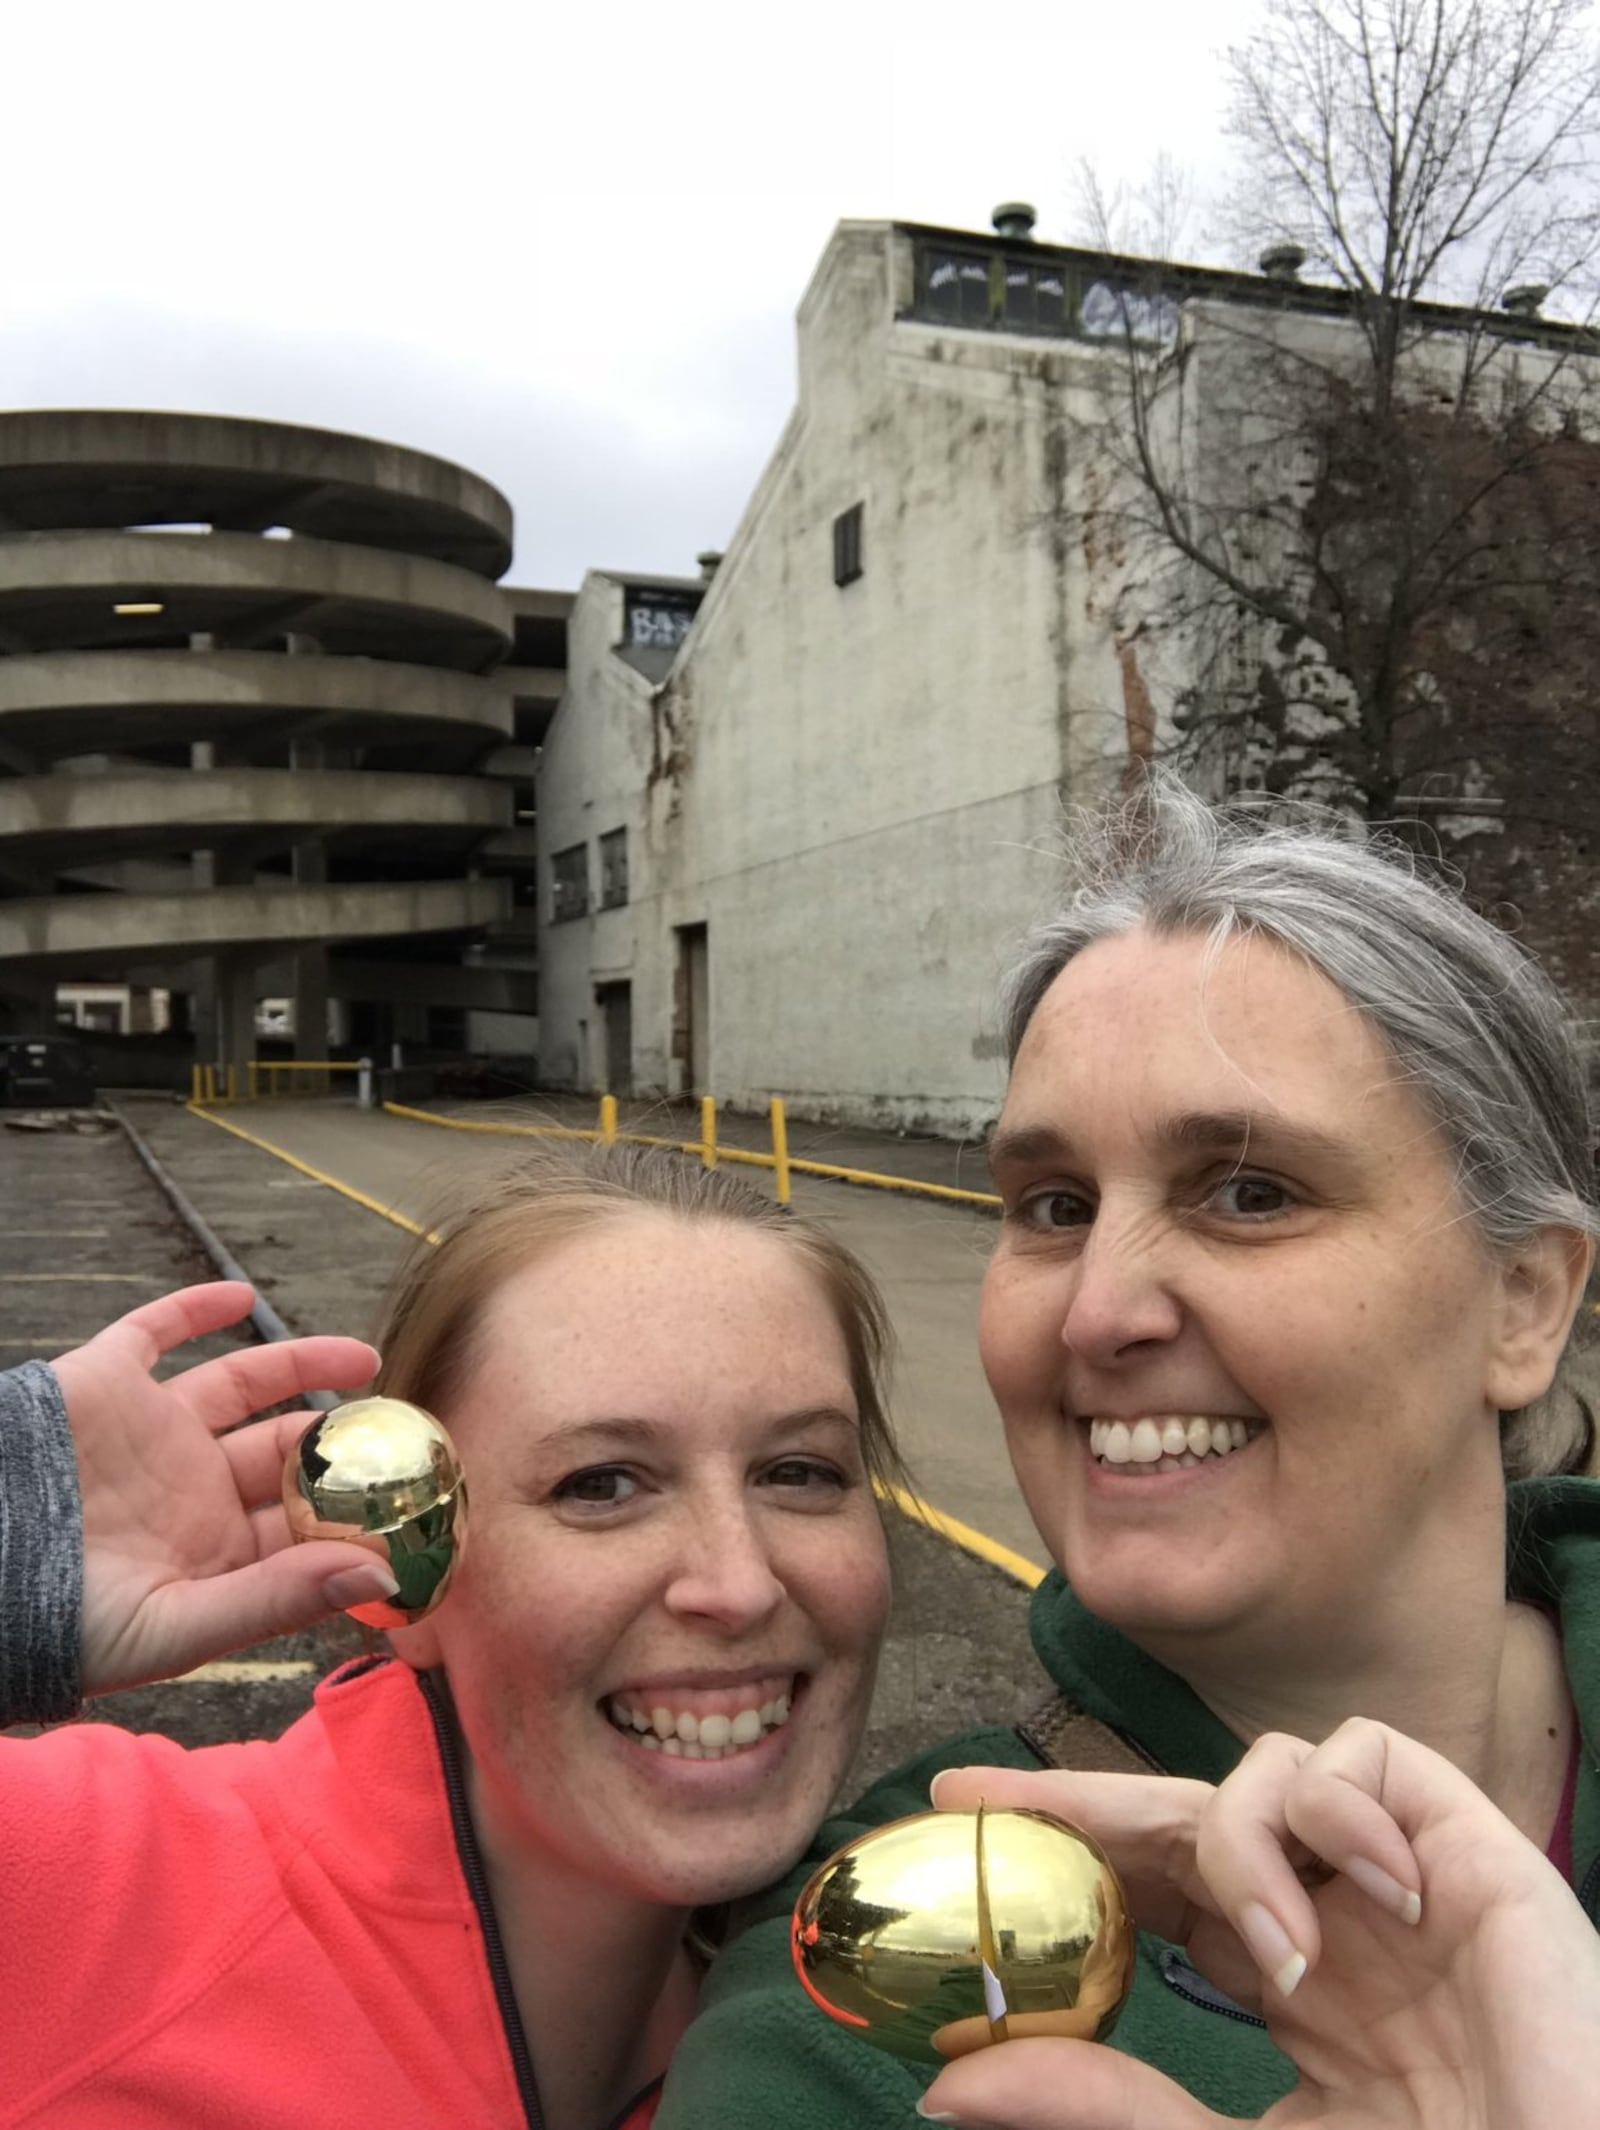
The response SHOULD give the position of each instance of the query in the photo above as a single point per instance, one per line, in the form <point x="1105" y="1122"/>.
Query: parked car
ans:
<point x="44" y="1072"/>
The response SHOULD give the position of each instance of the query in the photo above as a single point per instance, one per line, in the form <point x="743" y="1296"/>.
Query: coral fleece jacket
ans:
<point x="250" y="1937"/>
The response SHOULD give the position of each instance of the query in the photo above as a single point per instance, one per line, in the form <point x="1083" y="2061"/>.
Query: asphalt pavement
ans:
<point x="957" y="1650"/>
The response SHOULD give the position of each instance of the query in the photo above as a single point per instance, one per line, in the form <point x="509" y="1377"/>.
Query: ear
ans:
<point x="1542" y="1284"/>
<point x="417" y="1646"/>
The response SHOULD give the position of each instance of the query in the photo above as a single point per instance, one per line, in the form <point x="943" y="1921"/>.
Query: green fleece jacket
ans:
<point x="761" y="2056"/>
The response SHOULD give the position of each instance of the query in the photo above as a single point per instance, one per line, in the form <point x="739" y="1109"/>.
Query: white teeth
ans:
<point x="1144" y="1444"/>
<point x="1172" y="1441"/>
<point x="692" y="1737"/>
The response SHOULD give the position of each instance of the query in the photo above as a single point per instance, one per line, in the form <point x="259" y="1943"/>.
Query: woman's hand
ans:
<point x="187" y="1551"/>
<point x="1442" y="1978"/>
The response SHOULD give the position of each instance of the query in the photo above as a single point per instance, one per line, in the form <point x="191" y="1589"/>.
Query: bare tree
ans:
<point x="1357" y="516"/>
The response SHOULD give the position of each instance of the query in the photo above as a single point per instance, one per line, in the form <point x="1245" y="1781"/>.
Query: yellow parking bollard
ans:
<point x="608" y="1120"/>
<point x="708" y="1130"/>
<point x="780" y="1149"/>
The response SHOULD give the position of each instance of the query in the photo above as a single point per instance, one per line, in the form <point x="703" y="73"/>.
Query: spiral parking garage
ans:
<point x="263" y="709"/>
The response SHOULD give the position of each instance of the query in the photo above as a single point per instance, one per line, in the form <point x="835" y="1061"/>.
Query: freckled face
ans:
<point x="1222" y="1205"/>
<point x="669" y="1513"/>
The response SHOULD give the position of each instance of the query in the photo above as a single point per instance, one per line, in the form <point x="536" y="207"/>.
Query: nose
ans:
<point x="1121" y="1298"/>
<point x="723" y="1574"/>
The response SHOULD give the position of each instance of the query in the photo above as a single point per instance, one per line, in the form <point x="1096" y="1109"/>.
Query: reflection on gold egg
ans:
<point x="941" y="1933"/>
<point x="385" y="1475"/>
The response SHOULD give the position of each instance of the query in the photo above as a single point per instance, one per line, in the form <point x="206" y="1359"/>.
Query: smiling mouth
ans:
<point x="1167" y="1442"/>
<point x="704" y="1726"/>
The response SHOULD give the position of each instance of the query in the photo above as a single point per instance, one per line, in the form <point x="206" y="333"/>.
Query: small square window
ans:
<point x="614" y="869"/>
<point x="569" y="883"/>
<point x="847" y="545"/>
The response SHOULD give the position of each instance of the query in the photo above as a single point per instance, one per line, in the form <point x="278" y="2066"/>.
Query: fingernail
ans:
<point x="930" y="2115"/>
<point x="1272" y="1948"/>
<point x="359" y="1586"/>
<point x="1384" y="1888"/>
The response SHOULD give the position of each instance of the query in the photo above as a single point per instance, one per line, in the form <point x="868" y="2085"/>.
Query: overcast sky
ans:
<point x="563" y="245"/>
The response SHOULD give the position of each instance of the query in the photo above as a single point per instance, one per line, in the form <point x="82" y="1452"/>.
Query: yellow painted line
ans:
<point x="78" y="1279"/>
<point x="748" y="1155"/>
<point x="893" y="1183"/>
<point x="508" y="1131"/>
<point x="345" y="1190"/>
<point x="977" y="1543"/>
<point x="246" y="1671"/>
<point x="1005" y="1558"/>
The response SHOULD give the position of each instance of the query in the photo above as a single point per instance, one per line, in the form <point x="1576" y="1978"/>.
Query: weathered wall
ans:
<point x="594" y="776"/>
<point x="854" y="787"/>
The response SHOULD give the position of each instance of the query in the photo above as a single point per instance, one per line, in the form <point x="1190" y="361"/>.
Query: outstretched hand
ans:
<point x="187" y="1551"/>
<point x="1442" y="1978"/>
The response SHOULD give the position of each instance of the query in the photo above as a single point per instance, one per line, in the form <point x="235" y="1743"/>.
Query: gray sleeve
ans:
<point x="41" y="1550"/>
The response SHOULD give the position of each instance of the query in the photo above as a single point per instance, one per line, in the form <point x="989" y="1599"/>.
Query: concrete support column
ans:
<point x="310" y="865"/>
<point x="27" y="1001"/>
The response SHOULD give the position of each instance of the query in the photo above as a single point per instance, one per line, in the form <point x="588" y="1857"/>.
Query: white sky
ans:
<point x="563" y="245"/>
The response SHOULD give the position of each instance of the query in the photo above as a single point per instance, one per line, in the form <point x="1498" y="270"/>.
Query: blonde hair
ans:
<point x="428" y="1329"/>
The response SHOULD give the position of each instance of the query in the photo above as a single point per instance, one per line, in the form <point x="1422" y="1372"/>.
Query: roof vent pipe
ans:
<point x="1526" y="300"/>
<point x="709" y="559"/>
<point x="1282" y="262"/>
<point x="1014" y="218"/>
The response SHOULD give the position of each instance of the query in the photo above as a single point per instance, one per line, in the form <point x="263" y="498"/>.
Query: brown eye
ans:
<point x="1253" y="1197"/>
<point x="1053" y="1211"/>
<point x="804" y="1472"/>
<point x="600" y="1486"/>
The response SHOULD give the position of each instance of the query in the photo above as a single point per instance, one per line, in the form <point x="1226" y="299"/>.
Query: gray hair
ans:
<point x="1478" y="1030"/>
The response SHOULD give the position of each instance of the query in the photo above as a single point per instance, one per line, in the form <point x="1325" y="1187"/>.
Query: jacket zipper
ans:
<point x="477" y="1878"/>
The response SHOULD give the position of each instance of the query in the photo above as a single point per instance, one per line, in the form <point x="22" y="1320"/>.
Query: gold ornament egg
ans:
<point x="385" y="1475"/>
<point x="942" y="1933"/>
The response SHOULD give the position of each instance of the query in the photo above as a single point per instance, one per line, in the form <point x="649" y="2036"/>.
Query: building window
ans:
<point x="847" y="545"/>
<point x="569" y="883"/>
<point x="614" y="869"/>
<point x="658" y="617"/>
<point x="1000" y="291"/>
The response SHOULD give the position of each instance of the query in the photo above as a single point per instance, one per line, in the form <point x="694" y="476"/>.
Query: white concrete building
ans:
<point x="840" y="802"/>
<point x="837" y="810"/>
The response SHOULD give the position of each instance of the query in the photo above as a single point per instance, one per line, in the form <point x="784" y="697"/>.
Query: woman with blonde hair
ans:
<point x="463" y="1889"/>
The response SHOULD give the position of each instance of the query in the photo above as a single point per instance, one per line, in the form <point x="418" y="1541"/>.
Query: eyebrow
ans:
<point x="1232" y="1131"/>
<point x="628" y="1428"/>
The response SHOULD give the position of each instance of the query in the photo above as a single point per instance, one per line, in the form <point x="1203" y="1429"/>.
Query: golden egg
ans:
<point x="941" y="1933"/>
<point x="385" y="1475"/>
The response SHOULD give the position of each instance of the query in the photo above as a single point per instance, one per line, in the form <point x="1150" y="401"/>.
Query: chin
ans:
<point x="722" y="1873"/>
<point x="1147" y="1606"/>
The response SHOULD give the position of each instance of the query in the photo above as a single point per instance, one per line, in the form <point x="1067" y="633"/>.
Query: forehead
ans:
<point x="649" y="1314"/>
<point x="1143" y="1023"/>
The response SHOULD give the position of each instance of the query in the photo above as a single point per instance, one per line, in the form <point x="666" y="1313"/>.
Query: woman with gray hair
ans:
<point x="1298" y="1208"/>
